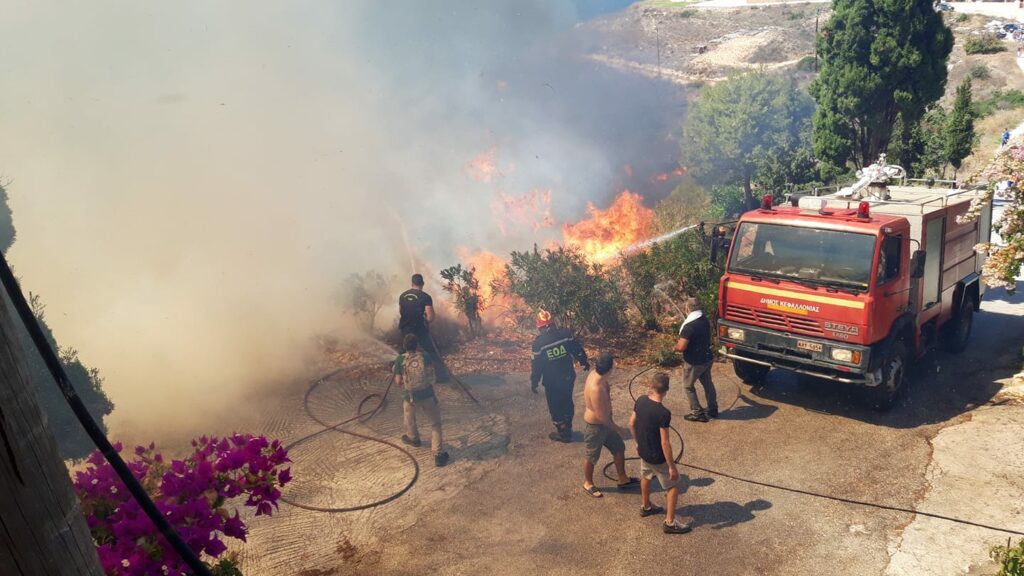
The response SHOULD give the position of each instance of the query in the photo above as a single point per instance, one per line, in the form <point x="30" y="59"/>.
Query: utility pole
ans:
<point x="657" y="36"/>
<point x="44" y="532"/>
<point x="817" y="12"/>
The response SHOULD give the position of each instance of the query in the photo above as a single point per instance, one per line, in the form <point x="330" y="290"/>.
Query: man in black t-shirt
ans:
<point x="695" y="344"/>
<point x="649" y="424"/>
<point x="416" y="312"/>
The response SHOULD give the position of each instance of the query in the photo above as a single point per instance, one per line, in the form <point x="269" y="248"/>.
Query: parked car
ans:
<point x="943" y="7"/>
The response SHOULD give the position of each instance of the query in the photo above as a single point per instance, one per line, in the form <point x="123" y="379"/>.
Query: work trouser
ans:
<point x="426" y="344"/>
<point x="559" y="395"/>
<point x="432" y="411"/>
<point x="692" y="373"/>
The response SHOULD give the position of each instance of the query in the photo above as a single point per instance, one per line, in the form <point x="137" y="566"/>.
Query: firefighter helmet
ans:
<point x="543" y="319"/>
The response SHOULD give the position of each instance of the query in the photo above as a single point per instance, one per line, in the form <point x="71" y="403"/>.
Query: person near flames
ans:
<point x="599" y="428"/>
<point x="416" y="313"/>
<point x="695" y="344"/>
<point x="554" y="350"/>
<point x="414" y="371"/>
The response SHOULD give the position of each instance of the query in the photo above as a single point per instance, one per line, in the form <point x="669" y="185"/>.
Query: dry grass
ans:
<point x="990" y="131"/>
<point x="1004" y="74"/>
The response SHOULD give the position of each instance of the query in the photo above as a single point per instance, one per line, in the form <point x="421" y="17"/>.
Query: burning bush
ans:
<point x="658" y="277"/>
<point x="580" y="294"/>
<point x="464" y="288"/>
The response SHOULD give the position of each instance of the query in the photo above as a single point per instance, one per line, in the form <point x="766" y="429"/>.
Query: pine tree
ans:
<point x="959" y="134"/>
<point x="880" y="61"/>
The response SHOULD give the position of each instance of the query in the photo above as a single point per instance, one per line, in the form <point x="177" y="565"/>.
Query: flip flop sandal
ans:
<point x="633" y="482"/>
<point x="593" y="491"/>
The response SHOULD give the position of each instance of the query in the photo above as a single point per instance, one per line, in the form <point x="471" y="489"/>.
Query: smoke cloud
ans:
<point x="192" y="180"/>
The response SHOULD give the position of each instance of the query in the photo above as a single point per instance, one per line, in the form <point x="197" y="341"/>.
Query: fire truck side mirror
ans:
<point x="917" y="264"/>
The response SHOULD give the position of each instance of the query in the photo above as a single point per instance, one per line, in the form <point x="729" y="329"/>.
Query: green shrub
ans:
<point x="984" y="45"/>
<point x="1010" y="558"/>
<point x="999" y="100"/>
<point x="961" y="18"/>
<point x="583" y="296"/>
<point x="661" y="352"/>
<point x="979" y="72"/>
<point x="681" y="262"/>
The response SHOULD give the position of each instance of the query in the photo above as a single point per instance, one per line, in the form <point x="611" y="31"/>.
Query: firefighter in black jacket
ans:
<point x="553" y="352"/>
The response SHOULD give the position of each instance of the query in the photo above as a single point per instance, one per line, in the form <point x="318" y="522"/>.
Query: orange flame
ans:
<point x="665" y="176"/>
<point x="608" y="232"/>
<point x="532" y="210"/>
<point x="484" y="168"/>
<point x="489" y="267"/>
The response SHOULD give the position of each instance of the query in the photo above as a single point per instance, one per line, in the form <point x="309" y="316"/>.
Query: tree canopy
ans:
<point x="880" y="61"/>
<point x="750" y="129"/>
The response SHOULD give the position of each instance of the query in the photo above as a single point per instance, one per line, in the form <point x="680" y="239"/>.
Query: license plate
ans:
<point x="812" y="346"/>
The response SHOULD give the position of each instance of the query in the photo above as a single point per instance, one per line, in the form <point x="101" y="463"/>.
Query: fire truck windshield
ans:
<point x="820" y="257"/>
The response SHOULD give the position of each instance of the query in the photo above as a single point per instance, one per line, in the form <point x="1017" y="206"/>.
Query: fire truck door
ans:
<point x="933" y="262"/>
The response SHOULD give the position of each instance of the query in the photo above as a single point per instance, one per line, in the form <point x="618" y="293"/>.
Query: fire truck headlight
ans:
<point x="844" y="355"/>
<point x="737" y="334"/>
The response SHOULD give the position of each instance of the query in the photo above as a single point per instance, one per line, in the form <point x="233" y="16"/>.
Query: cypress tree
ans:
<point x="880" y="60"/>
<point x="959" y="137"/>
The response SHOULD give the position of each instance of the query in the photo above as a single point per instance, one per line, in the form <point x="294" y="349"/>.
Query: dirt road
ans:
<point x="512" y="503"/>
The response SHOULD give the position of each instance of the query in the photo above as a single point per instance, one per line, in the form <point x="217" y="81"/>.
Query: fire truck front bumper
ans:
<point x="817" y="357"/>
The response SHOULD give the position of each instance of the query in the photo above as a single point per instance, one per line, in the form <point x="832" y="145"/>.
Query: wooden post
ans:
<point x="42" y="530"/>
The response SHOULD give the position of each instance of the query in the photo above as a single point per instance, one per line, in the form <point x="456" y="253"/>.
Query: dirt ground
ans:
<point x="511" y="502"/>
<point x="662" y="39"/>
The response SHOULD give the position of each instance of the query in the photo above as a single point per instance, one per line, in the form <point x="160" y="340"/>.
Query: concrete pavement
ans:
<point x="529" y="515"/>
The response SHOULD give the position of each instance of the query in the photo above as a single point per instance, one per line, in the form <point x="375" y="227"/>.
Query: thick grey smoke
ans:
<point x="192" y="180"/>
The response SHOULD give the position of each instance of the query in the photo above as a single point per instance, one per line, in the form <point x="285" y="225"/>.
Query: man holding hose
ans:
<point x="650" y="426"/>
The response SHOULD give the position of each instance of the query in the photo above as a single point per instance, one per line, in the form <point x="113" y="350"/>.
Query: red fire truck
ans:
<point x="854" y="285"/>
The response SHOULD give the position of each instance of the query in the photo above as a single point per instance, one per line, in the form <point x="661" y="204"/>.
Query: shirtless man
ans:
<point x="601" y="430"/>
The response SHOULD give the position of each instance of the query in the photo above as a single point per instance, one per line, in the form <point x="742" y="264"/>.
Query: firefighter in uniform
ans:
<point x="554" y="350"/>
<point x="416" y="312"/>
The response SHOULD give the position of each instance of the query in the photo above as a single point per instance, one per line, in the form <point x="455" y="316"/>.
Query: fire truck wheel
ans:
<point x="958" y="332"/>
<point x="894" y="367"/>
<point x="749" y="373"/>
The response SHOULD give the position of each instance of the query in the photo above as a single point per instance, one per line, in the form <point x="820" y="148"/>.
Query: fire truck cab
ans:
<point x="855" y="285"/>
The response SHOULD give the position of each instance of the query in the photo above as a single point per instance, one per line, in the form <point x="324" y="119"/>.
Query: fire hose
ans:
<point x="803" y="492"/>
<point x="366" y="409"/>
<point x="363" y="414"/>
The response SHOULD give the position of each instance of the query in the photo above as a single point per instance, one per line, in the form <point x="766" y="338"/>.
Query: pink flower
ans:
<point x="192" y="494"/>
